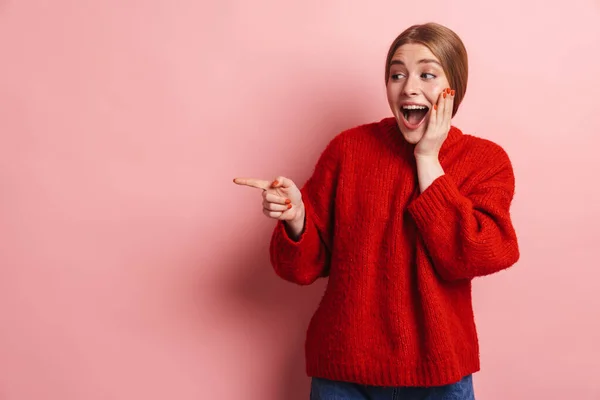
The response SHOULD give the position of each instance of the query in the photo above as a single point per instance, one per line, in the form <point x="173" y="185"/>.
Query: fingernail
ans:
<point x="444" y="94"/>
<point x="435" y="106"/>
<point x="275" y="183"/>
<point x="448" y="90"/>
<point x="452" y="92"/>
<point x="287" y="201"/>
<point x="289" y="206"/>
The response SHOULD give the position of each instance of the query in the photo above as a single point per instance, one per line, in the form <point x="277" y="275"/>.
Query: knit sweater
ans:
<point x="397" y="308"/>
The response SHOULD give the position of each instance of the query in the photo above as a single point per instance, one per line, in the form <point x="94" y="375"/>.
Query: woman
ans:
<point x="401" y="215"/>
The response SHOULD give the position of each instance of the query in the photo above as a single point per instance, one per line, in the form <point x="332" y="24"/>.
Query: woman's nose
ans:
<point x="411" y="87"/>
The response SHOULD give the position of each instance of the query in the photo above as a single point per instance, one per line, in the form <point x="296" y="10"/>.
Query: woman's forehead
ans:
<point x="414" y="51"/>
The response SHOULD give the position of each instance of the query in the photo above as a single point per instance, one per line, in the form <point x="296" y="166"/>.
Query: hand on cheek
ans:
<point x="438" y="126"/>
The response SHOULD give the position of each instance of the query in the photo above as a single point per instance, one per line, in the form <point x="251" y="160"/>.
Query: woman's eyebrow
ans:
<point x="423" y="61"/>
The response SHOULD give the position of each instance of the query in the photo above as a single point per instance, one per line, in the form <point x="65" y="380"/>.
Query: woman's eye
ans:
<point x="397" y="76"/>
<point x="427" y="76"/>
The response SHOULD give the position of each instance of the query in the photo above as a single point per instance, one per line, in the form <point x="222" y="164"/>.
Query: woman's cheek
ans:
<point x="435" y="93"/>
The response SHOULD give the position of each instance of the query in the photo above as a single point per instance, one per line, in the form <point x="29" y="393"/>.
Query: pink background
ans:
<point x="132" y="268"/>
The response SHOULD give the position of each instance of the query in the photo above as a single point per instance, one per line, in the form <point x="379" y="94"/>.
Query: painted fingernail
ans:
<point x="445" y="94"/>
<point x="287" y="201"/>
<point x="275" y="183"/>
<point x="452" y="92"/>
<point x="448" y="90"/>
<point x="289" y="206"/>
<point x="435" y="106"/>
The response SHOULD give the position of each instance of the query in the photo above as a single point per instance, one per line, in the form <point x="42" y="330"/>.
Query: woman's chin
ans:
<point x="412" y="137"/>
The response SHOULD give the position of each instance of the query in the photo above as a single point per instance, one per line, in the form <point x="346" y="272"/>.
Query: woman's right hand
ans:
<point x="282" y="200"/>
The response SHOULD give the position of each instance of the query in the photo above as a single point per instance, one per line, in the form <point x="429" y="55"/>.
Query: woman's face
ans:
<point x="414" y="86"/>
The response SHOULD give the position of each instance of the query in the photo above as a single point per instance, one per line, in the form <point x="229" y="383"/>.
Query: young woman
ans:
<point x="400" y="215"/>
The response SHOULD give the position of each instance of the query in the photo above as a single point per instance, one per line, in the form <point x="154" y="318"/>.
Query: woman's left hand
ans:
<point x="438" y="126"/>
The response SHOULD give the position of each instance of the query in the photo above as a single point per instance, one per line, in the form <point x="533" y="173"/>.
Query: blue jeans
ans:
<point x="324" y="389"/>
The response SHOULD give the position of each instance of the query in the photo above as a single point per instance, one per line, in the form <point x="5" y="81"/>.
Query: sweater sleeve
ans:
<point x="469" y="234"/>
<point x="306" y="260"/>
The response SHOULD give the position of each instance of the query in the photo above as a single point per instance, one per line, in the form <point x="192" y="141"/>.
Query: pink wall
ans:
<point x="132" y="268"/>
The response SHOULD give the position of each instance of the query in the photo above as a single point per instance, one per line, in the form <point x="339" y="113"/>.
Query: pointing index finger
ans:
<point x="255" y="183"/>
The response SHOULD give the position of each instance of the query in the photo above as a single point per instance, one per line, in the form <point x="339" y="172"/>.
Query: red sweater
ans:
<point x="397" y="309"/>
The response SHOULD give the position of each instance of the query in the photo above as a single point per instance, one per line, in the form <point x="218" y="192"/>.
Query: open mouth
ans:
<point x="414" y="115"/>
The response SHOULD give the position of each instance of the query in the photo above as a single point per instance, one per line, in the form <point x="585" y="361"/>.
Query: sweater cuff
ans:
<point x="434" y="201"/>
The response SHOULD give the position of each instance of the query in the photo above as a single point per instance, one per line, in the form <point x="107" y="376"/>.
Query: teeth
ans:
<point x="411" y="107"/>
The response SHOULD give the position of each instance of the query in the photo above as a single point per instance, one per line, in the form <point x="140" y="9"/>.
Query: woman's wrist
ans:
<point x="428" y="170"/>
<point x="295" y="227"/>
